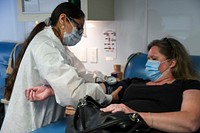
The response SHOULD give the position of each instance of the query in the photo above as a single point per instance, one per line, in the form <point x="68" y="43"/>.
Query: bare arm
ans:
<point x="38" y="93"/>
<point x="185" y="120"/>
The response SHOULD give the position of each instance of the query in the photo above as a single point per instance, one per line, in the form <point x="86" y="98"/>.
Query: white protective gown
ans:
<point x="46" y="61"/>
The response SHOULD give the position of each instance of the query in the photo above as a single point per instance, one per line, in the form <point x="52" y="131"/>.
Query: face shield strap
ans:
<point x="70" y="22"/>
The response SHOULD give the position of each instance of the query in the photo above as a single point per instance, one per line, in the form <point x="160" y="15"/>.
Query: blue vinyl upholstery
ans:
<point x="5" y="50"/>
<point x="135" y="66"/>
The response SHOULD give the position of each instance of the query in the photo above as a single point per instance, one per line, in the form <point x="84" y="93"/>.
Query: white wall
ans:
<point x="130" y="28"/>
<point x="11" y="29"/>
<point x="137" y="22"/>
<point x="179" y="18"/>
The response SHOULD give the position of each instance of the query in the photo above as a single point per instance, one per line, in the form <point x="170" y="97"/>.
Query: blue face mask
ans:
<point x="152" y="71"/>
<point x="71" y="39"/>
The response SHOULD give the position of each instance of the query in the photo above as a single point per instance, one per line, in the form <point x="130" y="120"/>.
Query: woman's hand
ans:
<point x="116" y="108"/>
<point x="38" y="93"/>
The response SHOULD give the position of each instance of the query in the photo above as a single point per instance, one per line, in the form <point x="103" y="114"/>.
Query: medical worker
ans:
<point x="46" y="61"/>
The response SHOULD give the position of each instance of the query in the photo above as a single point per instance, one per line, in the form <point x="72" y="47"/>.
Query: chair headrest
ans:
<point x="5" y="50"/>
<point x="135" y="66"/>
<point x="8" y="50"/>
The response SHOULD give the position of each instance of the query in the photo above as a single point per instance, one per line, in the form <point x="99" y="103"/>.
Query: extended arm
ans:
<point x="185" y="120"/>
<point x="40" y="93"/>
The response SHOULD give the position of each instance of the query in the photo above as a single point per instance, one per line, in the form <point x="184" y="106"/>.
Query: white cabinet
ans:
<point x="36" y="10"/>
<point x="39" y="10"/>
<point x="98" y="9"/>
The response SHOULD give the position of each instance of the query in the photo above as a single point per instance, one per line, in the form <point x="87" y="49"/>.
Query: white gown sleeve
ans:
<point x="68" y="86"/>
<point x="88" y="76"/>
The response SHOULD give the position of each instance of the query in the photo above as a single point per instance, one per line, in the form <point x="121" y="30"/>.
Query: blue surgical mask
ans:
<point x="71" y="39"/>
<point x="152" y="71"/>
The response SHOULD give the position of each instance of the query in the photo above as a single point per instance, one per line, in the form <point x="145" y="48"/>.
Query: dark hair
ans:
<point x="67" y="8"/>
<point x="173" y="49"/>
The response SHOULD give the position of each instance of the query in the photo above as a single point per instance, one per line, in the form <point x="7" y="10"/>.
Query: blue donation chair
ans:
<point x="6" y="49"/>
<point x="8" y="53"/>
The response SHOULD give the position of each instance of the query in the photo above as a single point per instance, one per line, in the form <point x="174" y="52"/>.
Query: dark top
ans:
<point x="156" y="98"/>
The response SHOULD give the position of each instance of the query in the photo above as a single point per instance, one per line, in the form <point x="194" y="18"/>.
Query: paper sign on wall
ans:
<point x="110" y="48"/>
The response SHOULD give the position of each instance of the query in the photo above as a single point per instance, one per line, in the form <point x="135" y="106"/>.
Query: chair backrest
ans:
<point x="6" y="48"/>
<point x="136" y="64"/>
